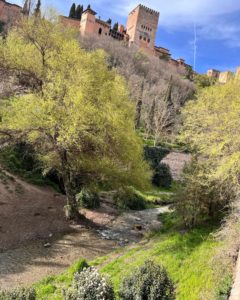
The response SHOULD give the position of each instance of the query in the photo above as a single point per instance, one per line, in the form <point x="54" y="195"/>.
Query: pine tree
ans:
<point x="115" y="26"/>
<point x="72" y="12"/>
<point x="79" y="11"/>
<point x="37" y="11"/>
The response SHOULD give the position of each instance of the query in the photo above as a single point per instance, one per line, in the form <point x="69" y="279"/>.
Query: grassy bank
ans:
<point x="188" y="257"/>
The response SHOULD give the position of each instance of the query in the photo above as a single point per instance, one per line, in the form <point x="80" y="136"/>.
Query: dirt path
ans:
<point x="30" y="263"/>
<point x="36" y="241"/>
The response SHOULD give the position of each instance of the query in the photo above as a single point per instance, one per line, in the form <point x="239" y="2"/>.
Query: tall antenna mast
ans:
<point x="195" y="47"/>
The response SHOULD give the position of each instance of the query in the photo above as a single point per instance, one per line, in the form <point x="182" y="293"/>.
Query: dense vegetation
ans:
<point x="156" y="88"/>
<point x="76" y="115"/>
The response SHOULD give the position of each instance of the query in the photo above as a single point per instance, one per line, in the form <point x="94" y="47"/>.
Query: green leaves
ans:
<point x="80" y="108"/>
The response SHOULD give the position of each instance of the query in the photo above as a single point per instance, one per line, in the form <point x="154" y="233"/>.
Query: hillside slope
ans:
<point x="28" y="212"/>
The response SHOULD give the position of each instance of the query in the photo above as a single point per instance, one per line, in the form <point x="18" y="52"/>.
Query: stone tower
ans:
<point x="142" y="26"/>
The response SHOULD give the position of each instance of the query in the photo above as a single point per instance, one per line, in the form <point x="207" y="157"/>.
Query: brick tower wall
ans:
<point x="9" y="13"/>
<point x="142" y="26"/>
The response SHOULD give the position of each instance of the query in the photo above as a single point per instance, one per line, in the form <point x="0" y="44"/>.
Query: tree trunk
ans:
<point x="71" y="209"/>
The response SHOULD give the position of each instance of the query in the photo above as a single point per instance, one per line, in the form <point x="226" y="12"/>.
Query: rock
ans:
<point x="47" y="245"/>
<point x="137" y="227"/>
<point x="126" y="241"/>
<point x="137" y="219"/>
<point x="50" y="235"/>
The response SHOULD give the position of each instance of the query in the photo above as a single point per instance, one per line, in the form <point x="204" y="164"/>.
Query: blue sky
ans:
<point x="217" y="25"/>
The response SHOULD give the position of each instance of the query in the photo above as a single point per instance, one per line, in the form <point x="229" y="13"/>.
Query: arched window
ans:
<point x="148" y="40"/>
<point x="100" y="31"/>
<point x="140" y="37"/>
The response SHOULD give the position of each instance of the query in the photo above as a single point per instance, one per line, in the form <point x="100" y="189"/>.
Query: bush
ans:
<point x="149" y="282"/>
<point x="18" y="294"/>
<point x="199" y="198"/>
<point x="128" y="198"/>
<point x="89" y="285"/>
<point x="88" y="199"/>
<point x="154" y="155"/>
<point x="162" y="176"/>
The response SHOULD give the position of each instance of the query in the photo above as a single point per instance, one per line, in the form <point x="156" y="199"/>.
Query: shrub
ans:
<point x="162" y="176"/>
<point x="149" y="282"/>
<point x="88" y="199"/>
<point x="199" y="198"/>
<point x="154" y="155"/>
<point x="128" y="198"/>
<point x="89" y="285"/>
<point x="19" y="294"/>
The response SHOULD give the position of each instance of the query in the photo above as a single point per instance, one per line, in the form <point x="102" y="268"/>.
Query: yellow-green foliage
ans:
<point x="77" y="106"/>
<point x="211" y="125"/>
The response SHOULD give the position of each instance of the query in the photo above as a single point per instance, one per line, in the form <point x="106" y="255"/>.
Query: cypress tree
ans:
<point x="79" y="12"/>
<point x="89" y="6"/>
<point x="26" y="7"/>
<point x="151" y="118"/>
<point x="72" y="12"/>
<point x="115" y="27"/>
<point x="37" y="11"/>
<point x="109" y="21"/>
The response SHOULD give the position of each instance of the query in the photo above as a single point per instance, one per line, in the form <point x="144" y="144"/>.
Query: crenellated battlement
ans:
<point x="149" y="10"/>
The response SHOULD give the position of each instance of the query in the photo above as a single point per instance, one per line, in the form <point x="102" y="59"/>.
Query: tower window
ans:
<point x="100" y="31"/>
<point x="140" y="37"/>
<point x="148" y="40"/>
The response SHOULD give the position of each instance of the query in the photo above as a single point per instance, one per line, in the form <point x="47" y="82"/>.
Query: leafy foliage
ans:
<point x="19" y="294"/>
<point x="197" y="199"/>
<point x="203" y="81"/>
<point x="90" y="285"/>
<point x="77" y="115"/>
<point x="88" y="199"/>
<point x="211" y="127"/>
<point x="21" y="159"/>
<point x="149" y="282"/>
<point x="162" y="176"/>
<point x="128" y="198"/>
<point x="154" y="155"/>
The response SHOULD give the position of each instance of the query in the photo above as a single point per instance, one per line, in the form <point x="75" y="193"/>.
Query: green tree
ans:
<point x="109" y="21"/>
<point x="203" y="81"/>
<point x="79" y="11"/>
<point x="115" y="26"/>
<point x="72" y="13"/>
<point x="211" y="128"/>
<point x="77" y="114"/>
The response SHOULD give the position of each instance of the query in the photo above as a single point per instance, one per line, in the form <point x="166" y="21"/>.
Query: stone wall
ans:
<point x="9" y="13"/>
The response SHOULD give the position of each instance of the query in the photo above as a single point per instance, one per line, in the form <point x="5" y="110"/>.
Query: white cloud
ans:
<point x="210" y="16"/>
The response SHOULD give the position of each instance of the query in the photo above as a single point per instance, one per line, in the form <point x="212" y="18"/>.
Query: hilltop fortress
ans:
<point x="223" y="77"/>
<point x="140" y="31"/>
